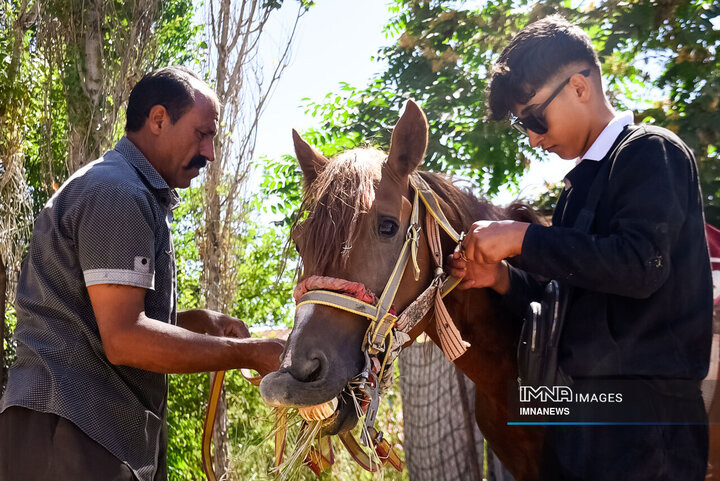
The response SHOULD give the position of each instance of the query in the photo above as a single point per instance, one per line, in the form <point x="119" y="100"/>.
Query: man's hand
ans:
<point x="206" y="321"/>
<point x="267" y="355"/>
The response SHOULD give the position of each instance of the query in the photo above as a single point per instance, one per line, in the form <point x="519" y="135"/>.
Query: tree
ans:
<point x="100" y="49"/>
<point x="658" y="50"/>
<point x="236" y="30"/>
<point x="16" y="107"/>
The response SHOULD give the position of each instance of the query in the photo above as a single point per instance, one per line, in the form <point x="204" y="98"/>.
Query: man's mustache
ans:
<point x="197" y="162"/>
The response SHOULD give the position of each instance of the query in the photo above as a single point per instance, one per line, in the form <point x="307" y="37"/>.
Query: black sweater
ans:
<point x="642" y="298"/>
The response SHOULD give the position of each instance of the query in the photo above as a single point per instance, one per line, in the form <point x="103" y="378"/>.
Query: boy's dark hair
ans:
<point x="535" y="55"/>
<point x="172" y="87"/>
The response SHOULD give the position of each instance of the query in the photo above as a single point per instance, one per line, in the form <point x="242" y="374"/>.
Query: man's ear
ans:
<point x="156" y="118"/>
<point x="311" y="161"/>
<point x="409" y="141"/>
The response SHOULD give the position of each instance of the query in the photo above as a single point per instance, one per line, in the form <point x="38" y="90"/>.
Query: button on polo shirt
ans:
<point x="107" y="224"/>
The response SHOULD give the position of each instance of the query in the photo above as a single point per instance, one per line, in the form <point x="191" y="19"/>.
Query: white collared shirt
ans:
<point x="602" y="144"/>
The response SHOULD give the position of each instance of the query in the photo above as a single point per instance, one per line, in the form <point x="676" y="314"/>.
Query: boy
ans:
<point x="640" y="308"/>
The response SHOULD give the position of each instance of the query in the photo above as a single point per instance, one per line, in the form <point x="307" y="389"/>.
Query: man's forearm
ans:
<point x="194" y="320"/>
<point x="156" y="346"/>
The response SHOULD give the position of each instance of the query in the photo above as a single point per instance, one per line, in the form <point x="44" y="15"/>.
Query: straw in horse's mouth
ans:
<point x="310" y="429"/>
<point x="319" y="412"/>
<point x="326" y="410"/>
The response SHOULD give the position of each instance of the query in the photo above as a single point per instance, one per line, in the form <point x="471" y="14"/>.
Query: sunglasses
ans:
<point x="535" y="120"/>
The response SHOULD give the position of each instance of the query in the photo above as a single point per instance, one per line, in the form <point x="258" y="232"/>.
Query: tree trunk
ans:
<point x="235" y="29"/>
<point x="442" y="440"/>
<point x="3" y="300"/>
<point x="212" y="271"/>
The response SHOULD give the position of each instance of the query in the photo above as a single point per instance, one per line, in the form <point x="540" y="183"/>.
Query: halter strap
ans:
<point x="379" y="335"/>
<point x="433" y="206"/>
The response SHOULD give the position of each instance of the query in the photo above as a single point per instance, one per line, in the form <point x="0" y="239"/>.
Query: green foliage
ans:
<point x="267" y="272"/>
<point x="281" y="188"/>
<point x="250" y="425"/>
<point x="186" y="218"/>
<point x="445" y="49"/>
<point x="187" y="399"/>
<point x="187" y="393"/>
<point x="176" y="35"/>
<point x="8" y="343"/>
<point x="264" y="291"/>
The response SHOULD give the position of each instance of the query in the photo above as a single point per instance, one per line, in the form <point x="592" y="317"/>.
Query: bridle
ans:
<point x="386" y="328"/>
<point x="386" y="335"/>
<point x="388" y="332"/>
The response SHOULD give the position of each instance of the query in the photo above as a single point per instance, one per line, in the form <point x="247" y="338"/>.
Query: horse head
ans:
<point x="357" y="212"/>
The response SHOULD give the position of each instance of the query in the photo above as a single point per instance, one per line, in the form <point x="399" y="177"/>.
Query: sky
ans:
<point x="335" y="43"/>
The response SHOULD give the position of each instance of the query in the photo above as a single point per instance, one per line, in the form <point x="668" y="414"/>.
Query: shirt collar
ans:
<point x="136" y="158"/>
<point x="599" y="149"/>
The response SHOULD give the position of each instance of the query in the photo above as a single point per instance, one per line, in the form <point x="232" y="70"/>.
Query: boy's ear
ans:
<point x="583" y="88"/>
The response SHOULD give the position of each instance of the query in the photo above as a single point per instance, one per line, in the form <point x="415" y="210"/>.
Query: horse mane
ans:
<point x="345" y="189"/>
<point x="333" y="203"/>
<point x="468" y="208"/>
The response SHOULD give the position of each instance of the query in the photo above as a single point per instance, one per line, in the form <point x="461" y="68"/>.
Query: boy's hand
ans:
<point x="489" y="242"/>
<point x="476" y="275"/>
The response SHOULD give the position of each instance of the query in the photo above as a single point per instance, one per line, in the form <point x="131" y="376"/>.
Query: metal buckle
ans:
<point x="377" y="348"/>
<point x="413" y="232"/>
<point x="459" y="247"/>
<point x="371" y="389"/>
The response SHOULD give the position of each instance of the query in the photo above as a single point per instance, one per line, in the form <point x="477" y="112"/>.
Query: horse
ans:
<point x="353" y="221"/>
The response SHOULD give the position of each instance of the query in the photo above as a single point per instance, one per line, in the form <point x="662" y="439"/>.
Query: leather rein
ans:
<point x="384" y="339"/>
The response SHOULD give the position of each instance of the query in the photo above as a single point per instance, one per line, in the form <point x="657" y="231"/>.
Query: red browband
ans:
<point x="341" y="286"/>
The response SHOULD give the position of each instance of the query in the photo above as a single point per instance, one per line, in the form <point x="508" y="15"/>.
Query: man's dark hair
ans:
<point x="172" y="87"/>
<point x="536" y="55"/>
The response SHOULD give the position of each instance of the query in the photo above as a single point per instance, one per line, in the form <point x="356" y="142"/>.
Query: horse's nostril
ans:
<point x="307" y="370"/>
<point x="315" y="374"/>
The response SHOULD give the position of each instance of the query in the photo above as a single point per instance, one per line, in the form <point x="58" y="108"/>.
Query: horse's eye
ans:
<point x="387" y="227"/>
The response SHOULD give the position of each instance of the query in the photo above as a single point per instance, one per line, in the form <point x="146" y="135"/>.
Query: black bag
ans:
<point x="539" y="340"/>
<point x="542" y="328"/>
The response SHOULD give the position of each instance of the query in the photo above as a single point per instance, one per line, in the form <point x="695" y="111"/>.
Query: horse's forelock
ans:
<point x="333" y="203"/>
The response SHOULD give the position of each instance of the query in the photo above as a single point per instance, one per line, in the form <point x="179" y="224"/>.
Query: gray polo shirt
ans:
<point x="108" y="224"/>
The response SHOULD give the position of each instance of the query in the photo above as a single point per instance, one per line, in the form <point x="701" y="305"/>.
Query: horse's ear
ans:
<point x="409" y="140"/>
<point x="311" y="161"/>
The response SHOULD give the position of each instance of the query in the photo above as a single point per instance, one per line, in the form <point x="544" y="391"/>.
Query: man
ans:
<point x="96" y="304"/>
<point x="641" y="292"/>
